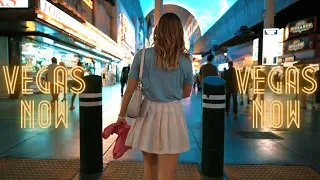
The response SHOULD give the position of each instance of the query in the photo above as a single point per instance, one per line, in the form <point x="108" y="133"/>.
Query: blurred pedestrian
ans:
<point x="64" y="90"/>
<point x="232" y="89"/>
<point x="76" y="85"/>
<point x="50" y="78"/>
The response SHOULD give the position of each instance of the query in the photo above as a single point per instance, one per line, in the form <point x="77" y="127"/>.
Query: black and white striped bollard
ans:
<point x="213" y="109"/>
<point x="90" y="103"/>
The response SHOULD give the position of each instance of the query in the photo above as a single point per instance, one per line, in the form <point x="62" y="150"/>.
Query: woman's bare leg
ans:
<point x="167" y="166"/>
<point x="150" y="166"/>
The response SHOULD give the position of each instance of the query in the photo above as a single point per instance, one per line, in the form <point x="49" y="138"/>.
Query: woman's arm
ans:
<point x="132" y="85"/>
<point x="186" y="90"/>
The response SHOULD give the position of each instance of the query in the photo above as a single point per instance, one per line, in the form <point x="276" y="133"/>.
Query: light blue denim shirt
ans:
<point x="160" y="85"/>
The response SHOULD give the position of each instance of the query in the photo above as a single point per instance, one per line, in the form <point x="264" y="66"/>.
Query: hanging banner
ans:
<point x="299" y="44"/>
<point x="301" y="27"/>
<point x="272" y="38"/>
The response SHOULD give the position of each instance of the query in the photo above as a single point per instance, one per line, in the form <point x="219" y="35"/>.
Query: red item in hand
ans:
<point x="122" y="130"/>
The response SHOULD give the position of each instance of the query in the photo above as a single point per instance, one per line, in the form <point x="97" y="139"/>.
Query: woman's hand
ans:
<point x="121" y="120"/>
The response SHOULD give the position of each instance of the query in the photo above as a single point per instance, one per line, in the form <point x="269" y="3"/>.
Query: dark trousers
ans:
<point x="234" y="102"/>
<point x="199" y="86"/>
<point x="123" y="83"/>
<point x="256" y="95"/>
<point x="53" y="94"/>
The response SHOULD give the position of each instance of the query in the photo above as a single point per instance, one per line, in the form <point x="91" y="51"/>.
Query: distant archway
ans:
<point x="189" y="22"/>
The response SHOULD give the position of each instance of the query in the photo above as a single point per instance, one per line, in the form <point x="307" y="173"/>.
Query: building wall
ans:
<point x="102" y="17"/>
<point x="121" y="8"/>
<point x="133" y="9"/>
<point x="242" y="13"/>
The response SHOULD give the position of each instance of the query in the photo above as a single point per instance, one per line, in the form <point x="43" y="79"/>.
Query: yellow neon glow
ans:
<point x="60" y="79"/>
<point x="312" y="81"/>
<point x="11" y="82"/>
<point x="61" y="114"/>
<point x="273" y="112"/>
<point x="89" y="3"/>
<point x="258" y="111"/>
<point x="278" y="88"/>
<point x="257" y="79"/>
<point x="243" y="81"/>
<point x="27" y="112"/>
<point x="44" y="106"/>
<point x="45" y="89"/>
<point x="293" y="113"/>
<point x="78" y="80"/>
<point x="25" y="80"/>
<point x="292" y="82"/>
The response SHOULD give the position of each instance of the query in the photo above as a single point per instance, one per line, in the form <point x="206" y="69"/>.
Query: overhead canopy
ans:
<point x="206" y="12"/>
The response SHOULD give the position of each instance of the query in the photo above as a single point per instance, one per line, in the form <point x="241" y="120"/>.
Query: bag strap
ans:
<point x="141" y="69"/>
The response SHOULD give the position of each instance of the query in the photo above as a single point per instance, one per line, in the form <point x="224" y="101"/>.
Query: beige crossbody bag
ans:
<point x="136" y="100"/>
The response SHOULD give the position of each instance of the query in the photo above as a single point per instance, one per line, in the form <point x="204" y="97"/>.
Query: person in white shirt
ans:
<point x="50" y="79"/>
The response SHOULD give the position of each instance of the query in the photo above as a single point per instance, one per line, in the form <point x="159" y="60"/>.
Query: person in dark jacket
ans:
<point x="261" y="85"/>
<point x="124" y="77"/>
<point x="317" y="93"/>
<point x="232" y="89"/>
<point x="208" y="69"/>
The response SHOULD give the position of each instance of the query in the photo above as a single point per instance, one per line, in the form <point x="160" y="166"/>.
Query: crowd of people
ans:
<point x="50" y="79"/>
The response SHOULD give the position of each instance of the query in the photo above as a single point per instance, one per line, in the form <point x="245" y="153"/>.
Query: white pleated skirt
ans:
<point x="160" y="128"/>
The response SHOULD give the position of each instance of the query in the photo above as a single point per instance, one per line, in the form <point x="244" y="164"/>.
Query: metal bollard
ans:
<point x="213" y="109"/>
<point x="90" y="103"/>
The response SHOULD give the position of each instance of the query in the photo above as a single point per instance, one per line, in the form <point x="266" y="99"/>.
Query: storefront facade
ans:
<point x="244" y="54"/>
<point x="32" y="33"/>
<point x="301" y="43"/>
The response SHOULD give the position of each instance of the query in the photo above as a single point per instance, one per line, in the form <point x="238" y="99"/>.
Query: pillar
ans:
<point x="268" y="19"/>
<point x="268" y="22"/>
<point x="158" y="11"/>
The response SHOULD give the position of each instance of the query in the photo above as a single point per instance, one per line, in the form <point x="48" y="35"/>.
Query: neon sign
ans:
<point x="275" y="113"/>
<point x="296" y="45"/>
<point x="301" y="26"/>
<point x="44" y="107"/>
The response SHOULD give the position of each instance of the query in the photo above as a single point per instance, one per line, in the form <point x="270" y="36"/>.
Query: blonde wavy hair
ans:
<point x="169" y="42"/>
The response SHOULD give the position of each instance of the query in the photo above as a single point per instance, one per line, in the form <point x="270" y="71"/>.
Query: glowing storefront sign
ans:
<point x="300" y="44"/>
<point x="127" y="32"/>
<point x="14" y="3"/>
<point x="301" y="26"/>
<point x="296" y="45"/>
<point x="86" y="32"/>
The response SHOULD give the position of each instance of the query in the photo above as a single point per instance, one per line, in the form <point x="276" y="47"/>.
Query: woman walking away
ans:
<point x="124" y="77"/>
<point x="64" y="91"/>
<point x="76" y="85"/>
<point x="160" y="130"/>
